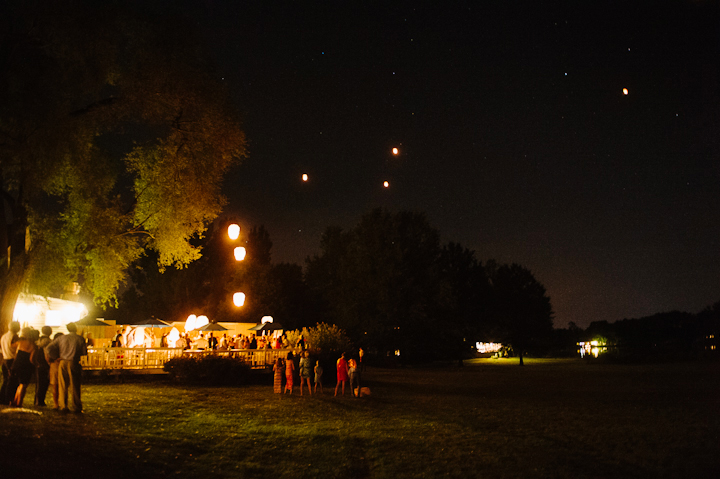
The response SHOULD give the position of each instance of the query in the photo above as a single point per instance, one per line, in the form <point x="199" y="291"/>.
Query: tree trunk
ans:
<point x="521" y="359"/>
<point x="11" y="287"/>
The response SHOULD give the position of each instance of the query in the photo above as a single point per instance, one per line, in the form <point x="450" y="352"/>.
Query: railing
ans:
<point x="128" y="358"/>
<point x="155" y="358"/>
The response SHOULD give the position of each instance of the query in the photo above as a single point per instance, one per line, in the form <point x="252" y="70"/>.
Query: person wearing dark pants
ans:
<point x="42" y="372"/>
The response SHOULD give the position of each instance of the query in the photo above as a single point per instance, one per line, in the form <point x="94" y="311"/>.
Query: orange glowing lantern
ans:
<point x="386" y="184"/>
<point x="240" y="253"/>
<point x="625" y="91"/>
<point x="395" y="151"/>
<point x="304" y="177"/>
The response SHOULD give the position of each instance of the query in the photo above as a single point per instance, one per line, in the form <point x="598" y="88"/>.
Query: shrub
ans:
<point x="326" y="341"/>
<point x="208" y="370"/>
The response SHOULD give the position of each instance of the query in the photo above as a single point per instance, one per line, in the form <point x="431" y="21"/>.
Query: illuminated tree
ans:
<point x="114" y="138"/>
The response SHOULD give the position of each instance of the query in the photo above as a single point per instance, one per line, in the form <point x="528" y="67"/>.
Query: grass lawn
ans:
<point x="492" y="418"/>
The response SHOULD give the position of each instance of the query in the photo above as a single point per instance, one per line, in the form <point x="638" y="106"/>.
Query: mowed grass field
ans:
<point x="491" y="418"/>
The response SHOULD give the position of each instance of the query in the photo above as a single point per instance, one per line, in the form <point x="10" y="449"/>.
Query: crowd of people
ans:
<point x="225" y="342"/>
<point x="210" y="341"/>
<point x="55" y="363"/>
<point x="306" y="368"/>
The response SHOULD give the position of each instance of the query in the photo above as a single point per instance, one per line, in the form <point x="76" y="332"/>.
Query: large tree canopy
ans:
<point x="114" y="138"/>
<point x="520" y="309"/>
<point x="379" y="280"/>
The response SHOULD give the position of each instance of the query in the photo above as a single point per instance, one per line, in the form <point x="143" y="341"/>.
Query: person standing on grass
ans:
<point x="354" y="375"/>
<point x="7" y="343"/>
<point x="278" y="369"/>
<point x="306" y="370"/>
<point x="42" y="372"/>
<point x="318" y="376"/>
<point x="23" y="366"/>
<point x="71" y="348"/>
<point x="342" y="374"/>
<point x="52" y="355"/>
<point x="289" y="371"/>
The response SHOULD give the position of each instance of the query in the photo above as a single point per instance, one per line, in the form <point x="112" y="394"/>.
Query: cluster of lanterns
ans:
<point x="239" y="252"/>
<point x="386" y="184"/>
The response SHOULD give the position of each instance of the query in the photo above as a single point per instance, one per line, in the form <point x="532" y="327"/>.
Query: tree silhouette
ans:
<point x="520" y="309"/>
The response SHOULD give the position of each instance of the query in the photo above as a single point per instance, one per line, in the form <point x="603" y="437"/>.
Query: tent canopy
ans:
<point x="211" y="327"/>
<point x="153" y="322"/>
<point x="267" y="327"/>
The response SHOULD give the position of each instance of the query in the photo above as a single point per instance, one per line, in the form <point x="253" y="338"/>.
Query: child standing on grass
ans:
<point x="318" y="377"/>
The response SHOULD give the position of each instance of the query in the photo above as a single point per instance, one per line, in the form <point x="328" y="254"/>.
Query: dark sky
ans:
<point x="515" y="136"/>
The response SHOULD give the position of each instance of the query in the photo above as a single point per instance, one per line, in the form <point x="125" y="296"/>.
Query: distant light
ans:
<point x="240" y="253"/>
<point x="267" y="319"/>
<point x="395" y="151"/>
<point x="625" y="91"/>
<point x="239" y="299"/>
<point x="386" y="184"/>
<point x="304" y="177"/>
<point x="233" y="231"/>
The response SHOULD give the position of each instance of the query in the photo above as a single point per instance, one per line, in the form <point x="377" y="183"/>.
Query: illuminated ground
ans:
<point x="489" y="419"/>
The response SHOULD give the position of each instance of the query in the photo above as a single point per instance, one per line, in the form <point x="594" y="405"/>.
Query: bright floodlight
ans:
<point x="233" y="231"/>
<point x="239" y="299"/>
<point x="240" y="253"/>
<point x="304" y="177"/>
<point x="395" y="151"/>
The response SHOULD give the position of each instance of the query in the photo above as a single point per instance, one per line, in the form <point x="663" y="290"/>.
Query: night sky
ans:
<point x="515" y="137"/>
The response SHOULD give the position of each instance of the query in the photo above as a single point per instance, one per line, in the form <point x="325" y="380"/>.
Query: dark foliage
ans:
<point x="208" y="370"/>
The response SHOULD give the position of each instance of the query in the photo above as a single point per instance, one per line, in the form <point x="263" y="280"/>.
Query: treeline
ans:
<point x="674" y="333"/>
<point x="388" y="282"/>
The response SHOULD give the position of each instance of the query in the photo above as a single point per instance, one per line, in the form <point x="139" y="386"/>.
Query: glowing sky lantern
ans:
<point x="304" y="177"/>
<point x="238" y="299"/>
<point x="386" y="184"/>
<point x="233" y="231"/>
<point x="201" y="321"/>
<point x="190" y="322"/>
<point x="240" y="253"/>
<point x="625" y="91"/>
<point x="395" y="151"/>
<point x="173" y="337"/>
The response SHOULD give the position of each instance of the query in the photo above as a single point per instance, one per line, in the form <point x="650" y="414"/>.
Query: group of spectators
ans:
<point x="53" y="362"/>
<point x="348" y="370"/>
<point x="306" y="367"/>
<point x="224" y="343"/>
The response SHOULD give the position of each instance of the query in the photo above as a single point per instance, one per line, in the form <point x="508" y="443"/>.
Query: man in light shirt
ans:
<point x="71" y="348"/>
<point x="7" y="343"/>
